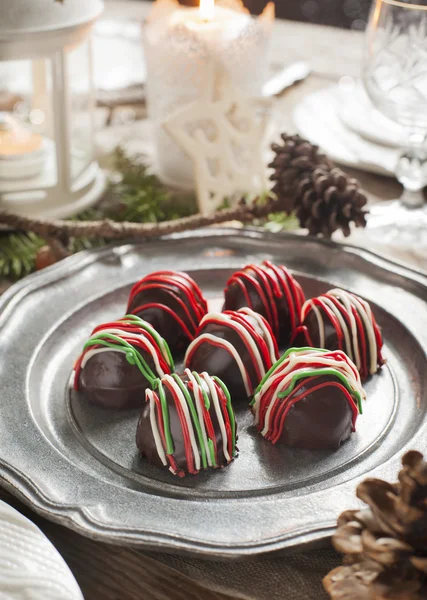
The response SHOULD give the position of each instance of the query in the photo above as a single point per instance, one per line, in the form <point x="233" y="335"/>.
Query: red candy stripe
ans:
<point x="184" y="427"/>
<point x="168" y="280"/>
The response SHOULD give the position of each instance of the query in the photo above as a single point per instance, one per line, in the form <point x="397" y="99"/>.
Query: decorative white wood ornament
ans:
<point x="222" y="132"/>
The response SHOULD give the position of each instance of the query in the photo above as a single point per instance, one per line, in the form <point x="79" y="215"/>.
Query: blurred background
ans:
<point x="350" y="14"/>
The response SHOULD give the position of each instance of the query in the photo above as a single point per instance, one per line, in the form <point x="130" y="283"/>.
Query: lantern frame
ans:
<point x="46" y="32"/>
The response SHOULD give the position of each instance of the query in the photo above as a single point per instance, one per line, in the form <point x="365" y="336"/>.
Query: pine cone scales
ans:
<point x="324" y="197"/>
<point x="293" y="159"/>
<point x="385" y="546"/>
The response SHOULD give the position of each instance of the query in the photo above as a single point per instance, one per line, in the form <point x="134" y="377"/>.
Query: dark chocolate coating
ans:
<point x="163" y="322"/>
<point x="219" y="362"/>
<point x="321" y="420"/>
<point x="331" y="337"/>
<point x="145" y="439"/>
<point x="235" y="299"/>
<point x="108" y="380"/>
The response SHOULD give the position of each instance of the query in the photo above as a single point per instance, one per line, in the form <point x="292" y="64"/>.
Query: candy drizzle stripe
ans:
<point x="190" y="445"/>
<point x="167" y="281"/>
<point x="199" y="403"/>
<point x="219" y="415"/>
<point x="207" y="420"/>
<point x="224" y="345"/>
<point x="132" y="355"/>
<point x="150" y="395"/>
<point x="165" y="415"/>
<point x="230" y="413"/>
<point x="172" y="313"/>
<point x="291" y="290"/>
<point x="196" y="424"/>
<point x="269" y="337"/>
<point x="285" y="408"/>
<point x="355" y="326"/>
<point x="302" y="365"/>
<point x="136" y="324"/>
<point x="247" y="333"/>
<point x="144" y="342"/>
<point x="261" y="351"/>
<point x="267" y="300"/>
<point x="195" y="418"/>
<point x="132" y="337"/>
<point x="271" y="283"/>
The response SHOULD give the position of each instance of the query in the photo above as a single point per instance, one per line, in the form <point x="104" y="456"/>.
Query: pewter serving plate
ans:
<point x="78" y="465"/>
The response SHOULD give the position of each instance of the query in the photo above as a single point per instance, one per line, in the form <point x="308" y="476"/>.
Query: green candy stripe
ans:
<point x="316" y="373"/>
<point x="281" y="360"/>
<point x="194" y="416"/>
<point x="132" y="355"/>
<point x="230" y="412"/>
<point x="207" y="406"/>
<point x="165" y="414"/>
<point x="205" y="396"/>
<point x="212" y="452"/>
<point x="161" y="342"/>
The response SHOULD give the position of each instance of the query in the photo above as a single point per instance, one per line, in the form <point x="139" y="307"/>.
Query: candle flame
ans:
<point x="207" y="10"/>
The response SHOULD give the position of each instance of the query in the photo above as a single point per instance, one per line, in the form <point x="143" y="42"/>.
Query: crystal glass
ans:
<point x="395" y="77"/>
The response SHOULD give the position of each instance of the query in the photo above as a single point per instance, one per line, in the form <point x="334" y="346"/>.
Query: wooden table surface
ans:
<point x="108" y="572"/>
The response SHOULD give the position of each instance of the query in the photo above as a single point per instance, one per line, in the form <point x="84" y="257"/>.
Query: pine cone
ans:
<point x="295" y="158"/>
<point x="323" y="197"/>
<point x="385" y="546"/>
<point x="327" y="200"/>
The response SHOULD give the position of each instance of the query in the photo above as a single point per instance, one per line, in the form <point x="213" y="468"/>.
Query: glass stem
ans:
<point x="411" y="170"/>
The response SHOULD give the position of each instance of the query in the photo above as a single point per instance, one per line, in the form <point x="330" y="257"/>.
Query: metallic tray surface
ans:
<point x="78" y="465"/>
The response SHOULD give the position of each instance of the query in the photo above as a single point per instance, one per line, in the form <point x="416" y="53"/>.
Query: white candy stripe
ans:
<point x="352" y="345"/>
<point x="296" y="363"/>
<point x="336" y="311"/>
<point x="218" y="411"/>
<point x="267" y="335"/>
<point x="200" y="401"/>
<point x="321" y="325"/>
<point x="208" y="337"/>
<point x="149" y="395"/>
<point x="243" y="333"/>
<point x="88" y="355"/>
<point x="137" y="336"/>
<point x="366" y="313"/>
<point x="345" y="299"/>
<point x="188" y="420"/>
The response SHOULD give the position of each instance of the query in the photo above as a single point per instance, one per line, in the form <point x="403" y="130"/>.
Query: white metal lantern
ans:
<point x="47" y="165"/>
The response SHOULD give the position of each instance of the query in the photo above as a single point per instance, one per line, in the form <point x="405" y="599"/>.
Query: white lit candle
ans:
<point x="179" y="43"/>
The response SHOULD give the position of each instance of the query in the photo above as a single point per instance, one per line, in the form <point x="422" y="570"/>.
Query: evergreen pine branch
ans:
<point x="18" y="254"/>
<point x="134" y="195"/>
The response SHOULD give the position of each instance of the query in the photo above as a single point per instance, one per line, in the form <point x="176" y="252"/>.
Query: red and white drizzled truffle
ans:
<point x="188" y="424"/>
<point x="173" y="303"/>
<point x="236" y="346"/>
<point x="270" y="290"/>
<point x="310" y="399"/>
<point x="339" y="320"/>
<point x="120" y="361"/>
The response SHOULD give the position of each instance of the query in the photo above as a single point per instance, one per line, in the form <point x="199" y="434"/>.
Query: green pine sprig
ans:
<point x="18" y="254"/>
<point x="134" y="194"/>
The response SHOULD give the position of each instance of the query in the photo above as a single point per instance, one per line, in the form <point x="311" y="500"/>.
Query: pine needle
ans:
<point x="134" y="195"/>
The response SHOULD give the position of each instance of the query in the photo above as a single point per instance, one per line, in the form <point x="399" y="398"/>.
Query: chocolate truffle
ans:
<point x="188" y="424"/>
<point x="236" y="346"/>
<point x="173" y="303"/>
<point x="310" y="399"/>
<point x="271" y="291"/>
<point x="339" y="320"/>
<point x="120" y="361"/>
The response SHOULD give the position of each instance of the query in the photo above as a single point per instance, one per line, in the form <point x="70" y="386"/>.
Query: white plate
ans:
<point x="359" y="115"/>
<point x="317" y="118"/>
<point x="30" y="567"/>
